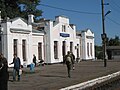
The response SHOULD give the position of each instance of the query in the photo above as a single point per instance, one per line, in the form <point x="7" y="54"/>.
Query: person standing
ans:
<point x="16" y="68"/>
<point x="34" y="59"/>
<point x="68" y="61"/>
<point x="73" y="60"/>
<point x="4" y="74"/>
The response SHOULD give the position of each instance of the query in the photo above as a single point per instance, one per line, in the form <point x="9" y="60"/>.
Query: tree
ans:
<point x="114" y="41"/>
<point x="8" y="8"/>
<point x="19" y="8"/>
<point x="98" y="52"/>
<point x="29" y="7"/>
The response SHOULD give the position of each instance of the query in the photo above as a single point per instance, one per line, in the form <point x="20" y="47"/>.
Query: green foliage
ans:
<point x="109" y="42"/>
<point x="98" y="52"/>
<point x="19" y="8"/>
<point x="114" y="41"/>
<point x="9" y="8"/>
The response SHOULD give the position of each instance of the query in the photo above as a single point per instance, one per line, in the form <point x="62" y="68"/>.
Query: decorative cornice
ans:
<point x="14" y="30"/>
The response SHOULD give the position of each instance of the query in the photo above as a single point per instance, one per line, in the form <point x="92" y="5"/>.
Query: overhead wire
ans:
<point x="45" y="5"/>
<point x="113" y="21"/>
<point x="115" y="4"/>
<point x="116" y="8"/>
<point x="68" y="9"/>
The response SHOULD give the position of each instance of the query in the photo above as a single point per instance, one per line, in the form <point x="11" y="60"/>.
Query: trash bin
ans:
<point x="32" y="66"/>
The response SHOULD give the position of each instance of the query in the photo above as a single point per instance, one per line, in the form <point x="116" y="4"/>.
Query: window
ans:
<point x="71" y="46"/>
<point x="24" y="49"/>
<point x="15" y="41"/>
<point x="91" y="49"/>
<point x="77" y="50"/>
<point x="0" y="38"/>
<point x="63" y="28"/>
<point x="55" y="49"/>
<point x="40" y="51"/>
<point x="64" y="48"/>
<point x="88" y="49"/>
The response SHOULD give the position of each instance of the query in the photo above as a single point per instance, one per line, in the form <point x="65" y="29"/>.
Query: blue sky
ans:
<point x="87" y="15"/>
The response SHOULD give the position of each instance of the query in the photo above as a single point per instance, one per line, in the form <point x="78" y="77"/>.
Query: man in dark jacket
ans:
<point x="4" y="75"/>
<point x="73" y="60"/>
<point x="16" y="68"/>
<point x="68" y="61"/>
<point x="34" y="59"/>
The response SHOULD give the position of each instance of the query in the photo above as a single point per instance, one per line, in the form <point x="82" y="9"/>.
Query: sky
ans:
<point x="86" y="14"/>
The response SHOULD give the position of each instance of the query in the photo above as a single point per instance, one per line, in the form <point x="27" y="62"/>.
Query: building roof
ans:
<point x="61" y="16"/>
<point x="10" y="20"/>
<point x="112" y="47"/>
<point x="86" y="30"/>
<point x="37" y="31"/>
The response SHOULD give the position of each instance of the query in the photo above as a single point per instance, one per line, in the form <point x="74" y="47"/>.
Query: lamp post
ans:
<point x="104" y="35"/>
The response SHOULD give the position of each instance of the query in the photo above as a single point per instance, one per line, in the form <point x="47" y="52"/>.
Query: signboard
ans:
<point x="64" y="35"/>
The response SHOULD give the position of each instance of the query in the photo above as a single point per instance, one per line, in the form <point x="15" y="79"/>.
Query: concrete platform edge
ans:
<point x="91" y="82"/>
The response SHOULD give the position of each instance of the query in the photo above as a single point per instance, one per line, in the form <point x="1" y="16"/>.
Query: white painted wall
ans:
<point x="18" y="29"/>
<point x="85" y="40"/>
<point x="53" y="34"/>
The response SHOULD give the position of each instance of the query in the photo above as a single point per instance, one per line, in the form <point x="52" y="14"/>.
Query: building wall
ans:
<point x="35" y="40"/>
<point x="59" y="30"/>
<point x="53" y="31"/>
<point x="20" y="30"/>
<point x="88" y="45"/>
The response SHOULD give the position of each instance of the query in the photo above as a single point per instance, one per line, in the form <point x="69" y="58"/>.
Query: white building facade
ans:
<point x="18" y="37"/>
<point x="50" y="42"/>
<point x="60" y="37"/>
<point x="87" y="50"/>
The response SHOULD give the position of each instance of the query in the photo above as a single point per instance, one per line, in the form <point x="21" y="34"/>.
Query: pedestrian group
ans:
<point x="68" y="59"/>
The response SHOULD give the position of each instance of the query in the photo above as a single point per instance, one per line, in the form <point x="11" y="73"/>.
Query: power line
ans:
<point x="115" y="4"/>
<point x="69" y="10"/>
<point x="77" y="12"/>
<point x="118" y="11"/>
<point x="113" y="21"/>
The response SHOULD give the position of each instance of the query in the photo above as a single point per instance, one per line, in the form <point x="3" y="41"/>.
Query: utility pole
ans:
<point x="103" y="35"/>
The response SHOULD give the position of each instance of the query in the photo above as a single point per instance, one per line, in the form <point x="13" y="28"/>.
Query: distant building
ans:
<point x="113" y="52"/>
<point x="48" y="40"/>
<point x="87" y="49"/>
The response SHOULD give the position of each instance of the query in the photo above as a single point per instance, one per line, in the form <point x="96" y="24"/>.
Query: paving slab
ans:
<point x="54" y="77"/>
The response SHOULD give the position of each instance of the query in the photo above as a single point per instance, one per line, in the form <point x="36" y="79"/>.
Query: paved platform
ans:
<point x="54" y="77"/>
